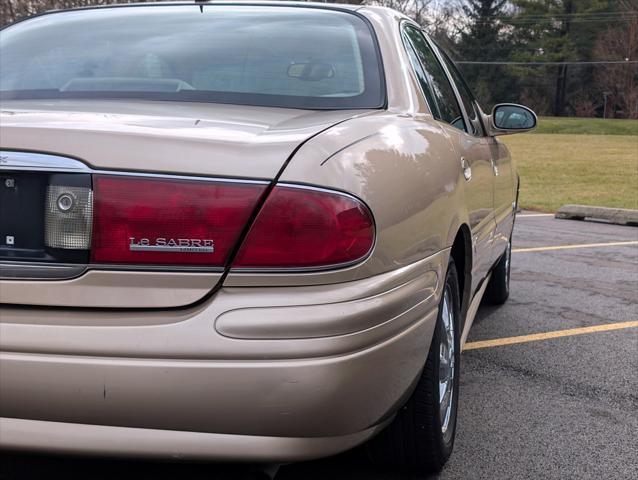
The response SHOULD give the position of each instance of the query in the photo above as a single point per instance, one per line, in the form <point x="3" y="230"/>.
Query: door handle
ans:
<point x="467" y="170"/>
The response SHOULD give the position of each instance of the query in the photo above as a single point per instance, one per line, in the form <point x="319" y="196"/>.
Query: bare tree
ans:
<point x="415" y="9"/>
<point x="12" y="10"/>
<point x="441" y="19"/>
<point x="437" y="17"/>
<point x="618" y="81"/>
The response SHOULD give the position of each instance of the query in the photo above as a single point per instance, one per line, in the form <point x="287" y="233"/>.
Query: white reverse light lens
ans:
<point x="68" y="217"/>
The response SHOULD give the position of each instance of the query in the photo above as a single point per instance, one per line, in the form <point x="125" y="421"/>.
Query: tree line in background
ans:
<point x="573" y="34"/>
<point x="560" y="57"/>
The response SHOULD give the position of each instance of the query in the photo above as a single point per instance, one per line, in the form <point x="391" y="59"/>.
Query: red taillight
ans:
<point x="307" y="228"/>
<point x="168" y="221"/>
<point x="165" y="221"/>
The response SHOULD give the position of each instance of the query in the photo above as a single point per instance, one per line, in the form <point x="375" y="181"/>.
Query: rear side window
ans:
<point x="423" y="78"/>
<point x="253" y="55"/>
<point x="466" y="95"/>
<point x="441" y="93"/>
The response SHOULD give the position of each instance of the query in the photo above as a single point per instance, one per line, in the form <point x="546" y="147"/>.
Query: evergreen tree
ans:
<point x="556" y="31"/>
<point x="485" y="38"/>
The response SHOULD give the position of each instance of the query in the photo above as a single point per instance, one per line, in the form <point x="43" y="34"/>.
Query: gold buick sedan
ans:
<point x="243" y="232"/>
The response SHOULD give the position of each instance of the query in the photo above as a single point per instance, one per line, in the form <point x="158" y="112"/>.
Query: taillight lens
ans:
<point x="307" y="228"/>
<point x="138" y="220"/>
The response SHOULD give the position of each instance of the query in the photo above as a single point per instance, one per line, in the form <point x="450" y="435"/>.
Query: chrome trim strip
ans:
<point x="173" y="176"/>
<point x="67" y="271"/>
<point x="41" y="162"/>
<point x="289" y="270"/>
<point x="11" y="160"/>
<point x="40" y="271"/>
<point x="155" y="268"/>
<point x="303" y="186"/>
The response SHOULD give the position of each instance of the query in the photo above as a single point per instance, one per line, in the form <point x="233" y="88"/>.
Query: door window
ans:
<point x="435" y="83"/>
<point x="464" y="92"/>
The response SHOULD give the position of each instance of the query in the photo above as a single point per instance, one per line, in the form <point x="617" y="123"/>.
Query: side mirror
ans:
<point x="508" y="118"/>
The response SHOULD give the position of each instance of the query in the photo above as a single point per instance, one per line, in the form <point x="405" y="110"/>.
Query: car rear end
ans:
<point x="168" y="336"/>
<point x="164" y="292"/>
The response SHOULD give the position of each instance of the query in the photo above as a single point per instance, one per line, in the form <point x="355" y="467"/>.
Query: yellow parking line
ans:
<point x="534" y="215"/>
<point x="535" y="337"/>
<point x="578" y="245"/>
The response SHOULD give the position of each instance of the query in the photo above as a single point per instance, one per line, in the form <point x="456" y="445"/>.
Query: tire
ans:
<point x="421" y="436"/>
<point x="498" y="290"/>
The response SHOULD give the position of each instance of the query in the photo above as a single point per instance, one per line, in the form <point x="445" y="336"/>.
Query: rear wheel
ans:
<point x="498" y="290"/>
<point x="421" y="437"/>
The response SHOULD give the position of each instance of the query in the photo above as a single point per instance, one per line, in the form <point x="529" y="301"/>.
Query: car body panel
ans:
<point x="190" y="333"/>
<point x="505" y="185"/>
<point x="112" y="289"/>
<point x="479" y="196"/>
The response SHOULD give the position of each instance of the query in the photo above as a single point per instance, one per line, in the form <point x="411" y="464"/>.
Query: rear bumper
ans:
<point x="99" y="440"/>
<point x="253" y="411"/>
<point x="257" y="407"/>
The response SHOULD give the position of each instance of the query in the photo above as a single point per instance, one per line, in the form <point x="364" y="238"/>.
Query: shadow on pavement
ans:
<point x="19" y="466"/>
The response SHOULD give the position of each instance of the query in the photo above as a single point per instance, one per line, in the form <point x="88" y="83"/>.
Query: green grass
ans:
<point x="586" y="169"/>
<point x="587" y="126"/>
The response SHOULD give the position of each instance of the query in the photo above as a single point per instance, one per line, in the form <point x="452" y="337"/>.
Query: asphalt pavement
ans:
<point x="551" y="408"/>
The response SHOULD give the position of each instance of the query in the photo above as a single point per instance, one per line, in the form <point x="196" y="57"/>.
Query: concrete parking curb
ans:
<point x="619" y="216"/>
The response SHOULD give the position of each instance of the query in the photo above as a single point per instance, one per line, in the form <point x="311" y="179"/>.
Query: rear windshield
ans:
<point x="252" y="55"/>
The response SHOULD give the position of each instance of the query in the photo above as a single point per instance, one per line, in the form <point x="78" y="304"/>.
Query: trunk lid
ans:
<point x="227" y="142"/>
<point x="165" y="137"/>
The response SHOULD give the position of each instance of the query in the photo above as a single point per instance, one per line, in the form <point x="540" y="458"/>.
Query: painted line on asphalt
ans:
<point x="535" y="215"/>
<point x="578" y="245"/>
<point x="535" y="337"/>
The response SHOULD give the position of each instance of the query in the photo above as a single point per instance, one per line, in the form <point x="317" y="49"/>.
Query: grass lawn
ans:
<point x="599" y="169"/>
<point x="591" y="126"/>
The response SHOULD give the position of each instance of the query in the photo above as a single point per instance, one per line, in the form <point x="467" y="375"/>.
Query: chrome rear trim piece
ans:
<point x="40" y="271"/>
<point x="41" y="162"/>
<point x="66" y="271"/>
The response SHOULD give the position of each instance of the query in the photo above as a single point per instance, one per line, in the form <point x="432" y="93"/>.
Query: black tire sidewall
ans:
<point x="414" y="440"/>
<point x="446" y="444"/>
<point x="498" y="288"/>
<point x="508" y="272"/>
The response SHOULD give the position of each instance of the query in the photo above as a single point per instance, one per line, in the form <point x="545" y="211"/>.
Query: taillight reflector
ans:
<point x="140" y="220"/>
<point x="307" y="228"/>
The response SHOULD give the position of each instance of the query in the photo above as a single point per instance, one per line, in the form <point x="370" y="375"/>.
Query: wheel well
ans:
<point x="462" y="255"/>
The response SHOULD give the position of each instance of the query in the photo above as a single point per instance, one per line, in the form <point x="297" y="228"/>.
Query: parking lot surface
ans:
<point x="561" y="406"/>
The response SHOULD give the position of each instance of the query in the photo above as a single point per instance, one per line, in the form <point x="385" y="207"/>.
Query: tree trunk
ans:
<point x="561" y="80"/>
<point x="561" y="91"/>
